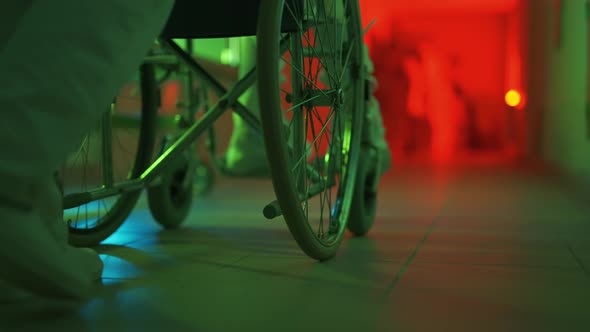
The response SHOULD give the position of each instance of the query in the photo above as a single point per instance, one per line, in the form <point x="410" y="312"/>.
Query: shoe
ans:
<point x="384" y="158"/>
<point x="34" y="249"/>
<point x="238" y="164"/>
<point x="246" y="155"/>
<point x="375" y="134"/>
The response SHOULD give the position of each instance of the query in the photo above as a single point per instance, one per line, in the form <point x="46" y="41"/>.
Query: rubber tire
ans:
<point x="269" y="27"/>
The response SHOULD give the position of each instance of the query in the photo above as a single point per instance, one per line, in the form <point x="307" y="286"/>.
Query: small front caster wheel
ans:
<point x="363" y="208"/>
<point x="171" y="199"/>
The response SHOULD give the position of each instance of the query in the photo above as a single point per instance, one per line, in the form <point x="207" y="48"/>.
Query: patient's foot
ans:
<point x="375" y="136"/>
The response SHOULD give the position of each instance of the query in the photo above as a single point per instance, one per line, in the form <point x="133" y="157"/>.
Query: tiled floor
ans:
<point x="458" y="249"/>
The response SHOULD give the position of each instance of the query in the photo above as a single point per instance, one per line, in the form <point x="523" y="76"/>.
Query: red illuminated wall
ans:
<point x="479" y="45"/>
<point x="483" y="35"/>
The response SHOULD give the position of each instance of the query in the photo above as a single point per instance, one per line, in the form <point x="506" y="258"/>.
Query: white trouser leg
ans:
<point x="61" y="64"/>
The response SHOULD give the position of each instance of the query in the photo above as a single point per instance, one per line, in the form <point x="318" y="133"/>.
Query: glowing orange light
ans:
<point x="513" y="98"/>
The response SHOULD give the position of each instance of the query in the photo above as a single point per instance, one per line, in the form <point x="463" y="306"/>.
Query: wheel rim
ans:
<point x="84" y="171"/>
<point x="120" y="148"/>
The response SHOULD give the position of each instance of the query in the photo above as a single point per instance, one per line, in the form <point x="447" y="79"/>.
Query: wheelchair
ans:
<point x="324" y="172"/>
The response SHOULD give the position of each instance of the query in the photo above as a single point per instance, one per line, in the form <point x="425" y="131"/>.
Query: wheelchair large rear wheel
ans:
<point x="119" y="149"/>
<point x="312" y="119"/>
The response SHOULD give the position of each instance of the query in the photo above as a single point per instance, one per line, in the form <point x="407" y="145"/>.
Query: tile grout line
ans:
<point x="229" y="264"/>
<point x="436" y="220"/>
<point x="410" y="258"/>
<point x="579" y="261"/>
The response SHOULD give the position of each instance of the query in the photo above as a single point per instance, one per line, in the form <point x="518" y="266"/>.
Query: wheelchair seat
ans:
<point x="217" y="19"/>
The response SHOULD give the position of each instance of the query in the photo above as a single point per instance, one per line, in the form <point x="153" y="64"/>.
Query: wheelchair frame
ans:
<point x="228" y="100"/>
<point x="165" y="163"/>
